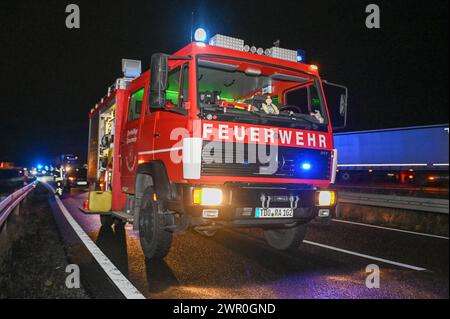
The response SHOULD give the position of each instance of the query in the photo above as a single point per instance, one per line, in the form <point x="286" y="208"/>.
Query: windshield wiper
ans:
<point x="291" y="119"/>
<point x="306" y="118"/>
<point x="243" y="114"/>
<point x="224" y="110"/>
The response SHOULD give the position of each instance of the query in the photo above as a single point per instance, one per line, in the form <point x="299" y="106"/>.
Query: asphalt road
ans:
<point x="237" y="264"/>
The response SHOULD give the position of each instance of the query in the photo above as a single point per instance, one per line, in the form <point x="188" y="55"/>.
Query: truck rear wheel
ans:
<point x="106" y="220"/>
<point x="155" y="240"/>
<point x="285" y="238"/>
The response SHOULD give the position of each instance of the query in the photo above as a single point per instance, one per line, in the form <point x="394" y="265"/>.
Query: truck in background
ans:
<point x="6" y="165"/>
<point x="67" y="172"/>
<point x="415" y="156"/>
<point x="12" y="177"/>
<point x="216" y="135"/>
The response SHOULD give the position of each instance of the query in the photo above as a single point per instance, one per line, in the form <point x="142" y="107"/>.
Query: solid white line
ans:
<point x="160" y="151"/>
<point x="441" y="164"/>
<point x="387" y="261"/>
<point x="380" y="165"/>
<point x="365" y="256"/>
<point x="388" y="228"/>
<point x="121" y="282"/>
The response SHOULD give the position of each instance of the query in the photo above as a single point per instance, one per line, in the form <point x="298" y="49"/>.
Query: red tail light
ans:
<point x="86" y="204"/>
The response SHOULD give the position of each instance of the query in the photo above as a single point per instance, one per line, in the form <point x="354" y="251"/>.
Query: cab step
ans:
<point x="123" y="216"/>
<point x="116" y="214"/>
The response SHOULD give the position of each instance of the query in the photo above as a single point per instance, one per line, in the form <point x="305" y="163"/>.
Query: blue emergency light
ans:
<point x="306" y="166"/>
<point x="200" y="35"/>
<point x="301" y="56"/>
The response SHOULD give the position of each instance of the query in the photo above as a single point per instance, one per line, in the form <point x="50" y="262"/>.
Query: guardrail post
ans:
<point x="16" y="210"/>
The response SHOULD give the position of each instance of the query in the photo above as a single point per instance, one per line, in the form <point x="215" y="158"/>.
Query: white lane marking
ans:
<point x="388" y="228"/>
<point x="386" y="261"/>
<point x="382" y="165"/>
<point x="121" y="282"/>
<point x="161" y="151"/>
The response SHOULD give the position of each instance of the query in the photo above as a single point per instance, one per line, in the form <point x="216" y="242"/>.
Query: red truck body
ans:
<point x="140" y="134"/>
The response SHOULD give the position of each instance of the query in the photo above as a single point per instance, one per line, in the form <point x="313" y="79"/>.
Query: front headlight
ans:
<point x="325" y="198"/>
<point x="207" y="196"/>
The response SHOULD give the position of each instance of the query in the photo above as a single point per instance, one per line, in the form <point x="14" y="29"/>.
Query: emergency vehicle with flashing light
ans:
<point x="219" y="134"/>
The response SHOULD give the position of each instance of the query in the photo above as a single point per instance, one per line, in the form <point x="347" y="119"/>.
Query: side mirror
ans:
<point x="343" y="105"/>
<point x="337" y="97"/>
<point x="158" y="80"/>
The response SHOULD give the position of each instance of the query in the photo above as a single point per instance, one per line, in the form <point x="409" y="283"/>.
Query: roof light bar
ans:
<point x="227" y="42"/>
<point x="284" y="54"/>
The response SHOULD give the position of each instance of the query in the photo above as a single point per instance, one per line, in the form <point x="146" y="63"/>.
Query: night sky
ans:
<point x="52" y="76"/>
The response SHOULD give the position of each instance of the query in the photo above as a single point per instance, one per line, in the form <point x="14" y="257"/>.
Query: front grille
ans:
<point x="238" y="159"/>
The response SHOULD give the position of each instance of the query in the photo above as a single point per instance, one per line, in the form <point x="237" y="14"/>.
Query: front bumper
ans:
<point x="240" y="201"/>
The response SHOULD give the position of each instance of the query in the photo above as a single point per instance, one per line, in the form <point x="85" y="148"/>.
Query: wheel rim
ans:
<point x="148" y="223"/>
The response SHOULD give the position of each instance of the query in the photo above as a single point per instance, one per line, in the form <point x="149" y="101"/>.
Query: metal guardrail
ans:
<point x="393" y="187"/>
<point x="10" y="202"/>
<point x="432" y="205"/>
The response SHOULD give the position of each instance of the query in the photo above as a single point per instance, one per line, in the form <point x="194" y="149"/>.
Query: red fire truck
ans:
<point x="219" y="134"/>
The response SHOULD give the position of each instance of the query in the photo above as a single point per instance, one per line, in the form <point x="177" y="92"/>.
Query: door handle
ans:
<point x="157" y="135"/>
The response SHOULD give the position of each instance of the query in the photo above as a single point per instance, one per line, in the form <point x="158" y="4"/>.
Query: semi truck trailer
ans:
<point x="411" y="155"/>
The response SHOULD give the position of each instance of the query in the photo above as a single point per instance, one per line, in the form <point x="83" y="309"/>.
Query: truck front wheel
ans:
<point x="285" y="238"/>
<point x="155" y="240"/>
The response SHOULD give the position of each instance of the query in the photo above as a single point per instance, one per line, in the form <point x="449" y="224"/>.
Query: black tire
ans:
<point x="346" y="177"/>
<point x="106" y="220"/>
<point x="285" y="238"/>
<point x="118" y="223"/>
<point x="155" y="240"/>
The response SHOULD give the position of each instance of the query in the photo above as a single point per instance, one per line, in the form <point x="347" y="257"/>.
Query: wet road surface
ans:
<point x="238" y="264"/>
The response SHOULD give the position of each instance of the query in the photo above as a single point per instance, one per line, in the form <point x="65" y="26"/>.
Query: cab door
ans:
<point x="171" y="123"/>
<point x="130" y="136"/>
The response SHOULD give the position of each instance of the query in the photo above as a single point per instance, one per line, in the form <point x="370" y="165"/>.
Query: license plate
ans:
<point x="274" y="212"/>
<point x="81" y="183"/>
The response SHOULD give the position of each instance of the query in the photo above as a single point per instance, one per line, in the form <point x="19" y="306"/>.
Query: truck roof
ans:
<point x="198" y="48"/>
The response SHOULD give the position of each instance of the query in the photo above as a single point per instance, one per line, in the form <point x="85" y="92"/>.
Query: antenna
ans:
<point x="192" y="26"/>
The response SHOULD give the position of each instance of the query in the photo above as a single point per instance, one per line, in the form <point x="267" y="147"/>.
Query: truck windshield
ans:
<point x="242" y="91"/>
